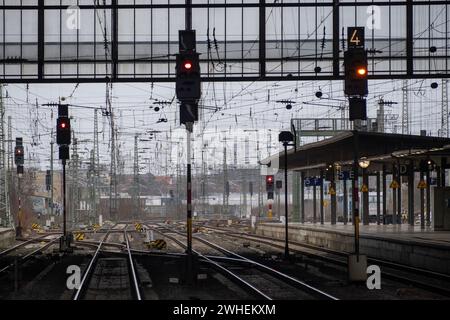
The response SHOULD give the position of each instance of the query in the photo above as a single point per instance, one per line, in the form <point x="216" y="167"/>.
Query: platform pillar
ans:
<point x="345" y="201"/>
<point x="322" y="218"/>
<point x="365" y="198"/>
<point x="333" y="201"/>
<point x="384" y="194"/>
<point x="302" y="198"/>
<point x="314" y="204"/>
<point x="428" y="198"/>
<point x="378" y="198"/>
<point x="411" y="193"/>
<point x="394" y="196"/>
<point x="399" y="195"/>
<point x="422" y="201"/>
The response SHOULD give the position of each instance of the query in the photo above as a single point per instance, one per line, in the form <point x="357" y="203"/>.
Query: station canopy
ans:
<point x="376" y="147"/>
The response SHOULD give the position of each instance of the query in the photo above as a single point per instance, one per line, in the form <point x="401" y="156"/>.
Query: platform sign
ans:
<point x="433" y="182"/>
<point x="345" y="175"/>
<point x="403" y="170"/>
<point x="355" y="37"/>
<point x="313" y="181"/>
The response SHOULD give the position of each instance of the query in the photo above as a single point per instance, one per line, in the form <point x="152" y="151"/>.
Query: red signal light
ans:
<point x="269" y="179"/>
<point x="361" y="71"/>
<point x="187" y="65"/>
<point x="63" y="125"/>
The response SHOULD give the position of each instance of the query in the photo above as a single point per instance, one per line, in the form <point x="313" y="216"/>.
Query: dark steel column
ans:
<point x="428" y="197"/>
<point x="365" y="198"/>
<point x="409" y="37"/>
<point x="378" y="198"/>
<point x="345" y="204"/>
<point x="355" y="191"/>
<point x="336" y="62"/>
<point x="411" y="193"/>
<point x="394" y="196"/>
<point x="302" y="199"/>
<point x="399" y="195"/>
<point x="384" y="194"/>
<point x="322" y="218"/>
<point x="286" y="228"/>
<point x="443" y="167"/>
<point x="422" y="202"/>
<point x="314" y="204"/>
<point x="41" y="40"/>
<point x="114" y="39"/>
<point x="333" y="199"/>
<point x="262" y="38"/>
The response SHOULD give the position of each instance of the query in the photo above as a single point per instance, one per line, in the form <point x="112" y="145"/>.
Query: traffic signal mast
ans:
<point x="19" y="161"/>
<point x="63" y="139"/>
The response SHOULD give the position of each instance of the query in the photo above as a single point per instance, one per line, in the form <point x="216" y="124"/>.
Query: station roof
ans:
<point x="377" y="147"/>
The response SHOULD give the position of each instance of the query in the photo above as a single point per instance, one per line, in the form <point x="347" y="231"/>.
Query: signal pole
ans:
<point x="188" y="92"/>
<point x="52" y="142"/>
<point x="63" y="139"/>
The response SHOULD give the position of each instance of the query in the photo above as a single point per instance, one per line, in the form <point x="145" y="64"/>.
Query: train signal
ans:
<point x="188" y="82"/>
<point x="19" y="152"/>
<point x="269" y="183"/>
<point x="355" y="63"/>
<point x="63" y="131"/>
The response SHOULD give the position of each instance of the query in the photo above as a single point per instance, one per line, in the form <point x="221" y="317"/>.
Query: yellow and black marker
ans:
<point x="138" y="226"/>
<point x="79" y="236"/>
<point x="35" y="226"/>
<point x="158" y="244"/>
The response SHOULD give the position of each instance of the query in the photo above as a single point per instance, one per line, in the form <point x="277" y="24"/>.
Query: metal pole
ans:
<point x="188" y="14"/>
<point x="428" y="197"/>
<point x="19" y="215"/>
<point x="64" y="199"/>
<point x="51" y="171"/>
<point x="356" y="196"/>
<point x="189" y="189"/>
<point x="286" y="247"/>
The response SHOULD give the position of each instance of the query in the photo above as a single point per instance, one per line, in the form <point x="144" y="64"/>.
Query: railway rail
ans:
<point x="420" y="278"/>
<point x="121" y="271"/>
<point x="263" y="282"/>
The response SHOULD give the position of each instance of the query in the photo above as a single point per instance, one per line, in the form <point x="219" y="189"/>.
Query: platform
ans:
<point x="7" y="237"/>
<point x="421" y="248"/>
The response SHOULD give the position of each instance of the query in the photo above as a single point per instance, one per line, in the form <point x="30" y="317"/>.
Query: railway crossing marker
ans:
<point x="79" y="236"/>
<point x="138" y="226"/>
<point x="158" y="244"/>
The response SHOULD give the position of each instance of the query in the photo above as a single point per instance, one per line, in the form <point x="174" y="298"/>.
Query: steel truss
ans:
<point x="254" y="40"/>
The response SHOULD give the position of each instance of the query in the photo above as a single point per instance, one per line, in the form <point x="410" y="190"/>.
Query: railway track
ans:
<point x="8" y="262"/>
<point x="421" y="278"/>
<point x="109" y="278"/>
<point x="257" y="279"/>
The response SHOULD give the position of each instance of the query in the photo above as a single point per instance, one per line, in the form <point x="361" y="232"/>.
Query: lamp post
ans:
<point x="286" y="137"/>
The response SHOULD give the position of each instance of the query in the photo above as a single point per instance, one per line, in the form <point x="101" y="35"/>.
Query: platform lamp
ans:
<point x="286" y="137"/>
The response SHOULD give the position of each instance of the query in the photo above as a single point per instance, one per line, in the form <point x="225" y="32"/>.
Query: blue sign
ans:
<point x="345" y="175"/>
<point x="313" y="181"/>
<point x="433" y="181"/>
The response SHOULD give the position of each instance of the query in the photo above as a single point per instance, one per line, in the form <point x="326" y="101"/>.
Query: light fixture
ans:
<point x="364" y="163"/>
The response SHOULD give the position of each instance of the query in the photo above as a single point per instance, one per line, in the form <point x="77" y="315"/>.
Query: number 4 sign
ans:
<point x="355" y="37"/>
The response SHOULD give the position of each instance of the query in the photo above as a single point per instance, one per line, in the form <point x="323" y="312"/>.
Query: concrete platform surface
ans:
<point x="421" y="248"/>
